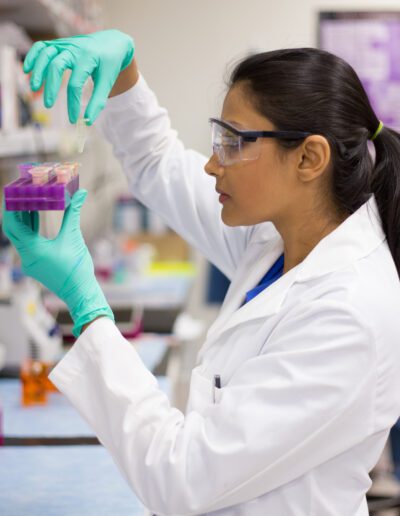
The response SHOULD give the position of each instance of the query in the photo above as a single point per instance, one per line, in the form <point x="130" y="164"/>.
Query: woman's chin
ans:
<point x="230" y="219"/>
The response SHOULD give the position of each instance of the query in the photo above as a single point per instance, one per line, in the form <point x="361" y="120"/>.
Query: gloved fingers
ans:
<point x="39" y="69"/>
<point x="75" y="85"/>
<point x="29" y="223"/>
<point x="15" y="228"/>
<point x="35" y="221"/>
<point x="54" y="75"/>
<point x="31" y="56"/>
<point x="25" y="217"/>
<point x="31" y="220"/>
<point x="72" y="216"/>
<point x="101" y="90"/>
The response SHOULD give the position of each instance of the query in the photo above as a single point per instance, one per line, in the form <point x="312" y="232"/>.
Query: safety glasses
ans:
<point x="232" y="145"/>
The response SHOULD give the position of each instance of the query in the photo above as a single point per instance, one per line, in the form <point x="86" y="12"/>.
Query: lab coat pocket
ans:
<point x="202" y="392"/>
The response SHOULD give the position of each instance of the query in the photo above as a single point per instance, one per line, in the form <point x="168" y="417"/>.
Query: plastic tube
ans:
<point x="40" y="175"/>
<point x="81" y="133"/>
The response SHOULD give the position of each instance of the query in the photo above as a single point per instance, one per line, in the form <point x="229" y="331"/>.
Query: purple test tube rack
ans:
<point x="23" y="195"/>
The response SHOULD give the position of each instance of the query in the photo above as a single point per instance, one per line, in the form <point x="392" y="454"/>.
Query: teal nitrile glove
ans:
<point x="63" y="265"/>
<point x="101" y="55"/>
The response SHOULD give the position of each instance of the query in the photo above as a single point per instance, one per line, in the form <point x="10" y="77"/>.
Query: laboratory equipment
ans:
<point x="5" y="270"/>
<point x="33" y="378"/>
<point x="81" y="133"/>
<point x="27" y="329"/>
<point x="42" y="186"/>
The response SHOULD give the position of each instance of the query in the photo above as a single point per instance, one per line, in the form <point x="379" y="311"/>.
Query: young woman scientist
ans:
<point x="307" y="344"/>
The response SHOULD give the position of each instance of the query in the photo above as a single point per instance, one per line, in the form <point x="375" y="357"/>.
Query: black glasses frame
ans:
<point x="252" y="136"/>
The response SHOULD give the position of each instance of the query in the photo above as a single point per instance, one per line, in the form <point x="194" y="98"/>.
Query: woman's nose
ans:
<point x="213" y="167"/>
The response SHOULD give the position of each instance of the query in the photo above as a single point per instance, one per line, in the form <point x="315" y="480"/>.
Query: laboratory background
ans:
<point x="164" y="294"/>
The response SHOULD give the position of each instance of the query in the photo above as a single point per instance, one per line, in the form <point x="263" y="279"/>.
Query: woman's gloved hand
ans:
<point x="101" y="55"/>
<point x="63" y="265"/>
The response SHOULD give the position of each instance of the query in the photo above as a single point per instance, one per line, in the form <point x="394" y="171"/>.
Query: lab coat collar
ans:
<point x="355" y="238"/>
<point x="259" y="258"/>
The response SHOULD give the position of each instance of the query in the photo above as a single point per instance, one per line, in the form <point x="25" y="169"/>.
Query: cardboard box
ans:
<point x="169" y="246"/>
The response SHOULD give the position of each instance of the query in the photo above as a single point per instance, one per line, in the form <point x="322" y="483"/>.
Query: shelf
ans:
<point x="68" y="21"/>
<point x="29" y="141"/>
<point x="47" y="18"/>
<point x="52" y="16"/>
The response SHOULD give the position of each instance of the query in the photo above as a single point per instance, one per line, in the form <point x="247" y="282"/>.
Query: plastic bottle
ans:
<point x="33" y="378"/>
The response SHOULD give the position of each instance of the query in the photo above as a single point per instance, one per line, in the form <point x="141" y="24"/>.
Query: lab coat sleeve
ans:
<point x="306" y="399"/>
<point x="168" y="178"/>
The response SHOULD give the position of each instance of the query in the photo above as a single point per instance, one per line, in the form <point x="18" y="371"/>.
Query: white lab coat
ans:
<point x="310" y="368"/>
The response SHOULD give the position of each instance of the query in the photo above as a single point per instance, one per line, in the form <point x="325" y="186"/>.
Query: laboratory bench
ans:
<point x="43" y="469"/>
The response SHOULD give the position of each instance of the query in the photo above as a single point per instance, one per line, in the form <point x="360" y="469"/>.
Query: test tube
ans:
<point x="81" y="133"/>
<point x="74" y="165"/>
<point x="63" y="173"/>
<point x="40" y="175"/>
<point x="24" y="168"/>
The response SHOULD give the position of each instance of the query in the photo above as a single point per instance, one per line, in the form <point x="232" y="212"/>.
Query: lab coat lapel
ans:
<point x="266" y="303"/>
<point x="259" y="258"/>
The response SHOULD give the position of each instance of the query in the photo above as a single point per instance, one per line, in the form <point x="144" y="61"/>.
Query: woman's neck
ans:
<point x="301" y="235"/>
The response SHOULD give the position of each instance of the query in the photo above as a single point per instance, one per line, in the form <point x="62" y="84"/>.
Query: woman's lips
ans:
<point x="222" y="195"/>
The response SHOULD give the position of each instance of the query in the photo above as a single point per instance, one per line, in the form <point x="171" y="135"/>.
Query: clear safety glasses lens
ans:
<point x="230" y="148"/>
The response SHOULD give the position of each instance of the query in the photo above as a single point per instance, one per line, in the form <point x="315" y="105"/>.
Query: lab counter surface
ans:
<point x="62" y="480"/>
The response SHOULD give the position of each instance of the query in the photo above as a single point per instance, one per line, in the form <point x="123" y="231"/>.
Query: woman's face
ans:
<point x="259" y="190"/>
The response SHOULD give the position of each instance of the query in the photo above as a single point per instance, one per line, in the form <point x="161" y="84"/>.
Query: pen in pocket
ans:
<point x="216" y="384"/>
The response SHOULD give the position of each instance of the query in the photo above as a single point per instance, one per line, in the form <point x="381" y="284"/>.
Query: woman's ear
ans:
<point x="314" y="157"/>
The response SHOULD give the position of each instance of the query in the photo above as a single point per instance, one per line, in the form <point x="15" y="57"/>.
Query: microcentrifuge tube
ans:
<point x="81" y="133"/>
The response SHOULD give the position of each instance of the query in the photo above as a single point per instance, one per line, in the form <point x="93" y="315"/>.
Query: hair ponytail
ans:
<point x="385" y="185"/>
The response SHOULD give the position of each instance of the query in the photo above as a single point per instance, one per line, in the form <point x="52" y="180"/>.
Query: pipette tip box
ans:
<point x="42" y="187"/>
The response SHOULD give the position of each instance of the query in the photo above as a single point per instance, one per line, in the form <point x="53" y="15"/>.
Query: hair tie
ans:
<point x="378" y="131"/>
